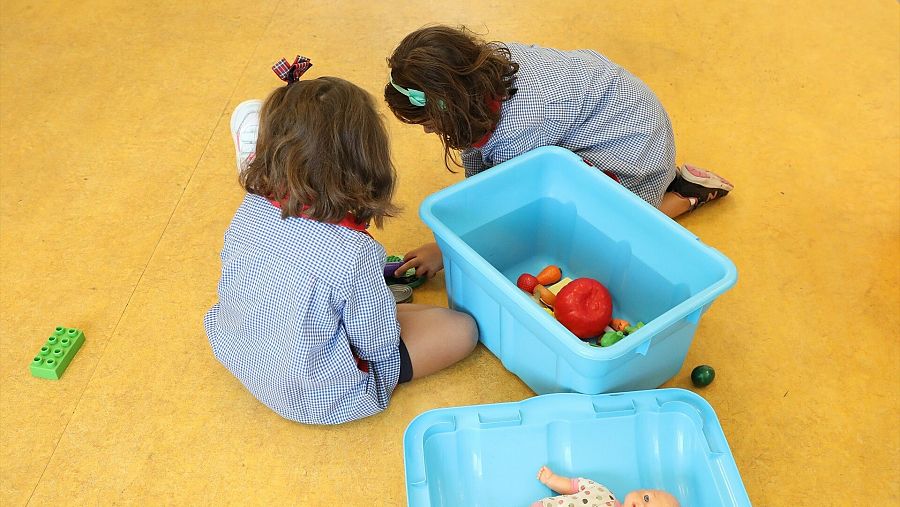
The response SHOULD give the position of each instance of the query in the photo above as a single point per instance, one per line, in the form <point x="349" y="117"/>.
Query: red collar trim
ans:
<point x="494" y="104"/>
<point x="348" y="221"/>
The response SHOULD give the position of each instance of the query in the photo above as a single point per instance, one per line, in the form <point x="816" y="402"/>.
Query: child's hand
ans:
<point x="427" y="259"/>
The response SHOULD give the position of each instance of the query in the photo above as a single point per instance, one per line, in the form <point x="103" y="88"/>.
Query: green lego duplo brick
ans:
<point x="56" y="354"/>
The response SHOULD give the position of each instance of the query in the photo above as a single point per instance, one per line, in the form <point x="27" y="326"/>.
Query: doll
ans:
<point x="587" y="493"/>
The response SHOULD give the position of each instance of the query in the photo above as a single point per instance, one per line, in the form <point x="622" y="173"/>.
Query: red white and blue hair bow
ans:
<point x="290" y="73"/>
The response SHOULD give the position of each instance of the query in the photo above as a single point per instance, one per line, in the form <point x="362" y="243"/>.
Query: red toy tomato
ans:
<point x="527" y="282"/>
<point x="584" y="307"/>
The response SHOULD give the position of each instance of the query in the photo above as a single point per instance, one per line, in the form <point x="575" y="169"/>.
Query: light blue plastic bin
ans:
<point x="549" y="207"/>
<point x="489" y="455"/>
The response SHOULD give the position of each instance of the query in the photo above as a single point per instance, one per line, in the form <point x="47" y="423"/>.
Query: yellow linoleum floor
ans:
<point x="118" y="181"/>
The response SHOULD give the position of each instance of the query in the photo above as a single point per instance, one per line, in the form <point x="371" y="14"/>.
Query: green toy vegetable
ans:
<point x="634" y="328"/>
<point x="703" y="375"/>
<point x="611" y="338"/>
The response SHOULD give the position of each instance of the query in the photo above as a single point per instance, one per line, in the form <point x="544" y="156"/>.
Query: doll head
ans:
<point x="650" y="498"/>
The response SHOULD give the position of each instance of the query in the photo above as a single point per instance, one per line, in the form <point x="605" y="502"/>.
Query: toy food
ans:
<point x="556" y="287"/>
<point x="611" y="338"/>
<point x="409" y="278"/>
<point x="703" y="375"/>
<point x="527" y="282"/>
<point x="549" y="275"/>
<point x="402" y="293"/>
<point x="634" y="328"/>
<point x="391" y="267"/>
<point x="584" y="307"/>
<point x="544" y="294"/>
<point x="619" y="324"/>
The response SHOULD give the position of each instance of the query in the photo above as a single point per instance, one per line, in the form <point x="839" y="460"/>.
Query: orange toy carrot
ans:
<point x="546" y="296"/>
<point x="619" y="324"/>
<point x="549" y="275"/>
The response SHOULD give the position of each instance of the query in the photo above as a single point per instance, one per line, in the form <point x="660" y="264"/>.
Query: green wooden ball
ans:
<point x="703" y="375"/>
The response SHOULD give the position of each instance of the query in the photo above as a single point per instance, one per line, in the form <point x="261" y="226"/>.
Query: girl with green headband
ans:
<point x="492" y="101"/>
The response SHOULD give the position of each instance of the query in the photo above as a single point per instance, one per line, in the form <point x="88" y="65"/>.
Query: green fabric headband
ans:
<point x="416" y="97"/>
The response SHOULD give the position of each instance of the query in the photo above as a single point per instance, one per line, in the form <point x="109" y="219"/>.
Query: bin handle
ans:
<point x="488" y="420"/>
<point x="694" y="317"/>
<point x="643" y="348"/>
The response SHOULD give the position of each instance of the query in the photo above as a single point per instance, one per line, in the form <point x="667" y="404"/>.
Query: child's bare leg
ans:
<point x="435" y="337"/>
<point x="674" y="205"/>
<point x="558" y="483"/>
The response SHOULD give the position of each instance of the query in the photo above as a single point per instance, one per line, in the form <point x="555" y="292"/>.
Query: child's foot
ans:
<point x="699" y="186"/>
<point x="244" y="130"/>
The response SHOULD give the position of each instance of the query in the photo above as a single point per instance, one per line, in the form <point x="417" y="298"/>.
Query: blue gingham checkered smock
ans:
<point x="583" y="102"/>
<point x="294" y="297"/>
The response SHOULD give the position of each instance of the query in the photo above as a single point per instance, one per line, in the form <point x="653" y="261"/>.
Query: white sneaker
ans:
<point x="244" y="130"/>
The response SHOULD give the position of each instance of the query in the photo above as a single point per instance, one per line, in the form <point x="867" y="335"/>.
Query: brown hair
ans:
<point x="323" y="151"/>
<point x="459" y="74"/>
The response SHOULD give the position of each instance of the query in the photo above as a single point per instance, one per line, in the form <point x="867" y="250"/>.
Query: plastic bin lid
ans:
<point x="489" y="454"/>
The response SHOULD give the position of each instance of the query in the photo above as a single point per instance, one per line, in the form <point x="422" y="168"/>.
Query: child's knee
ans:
<point x="468" y="331"/>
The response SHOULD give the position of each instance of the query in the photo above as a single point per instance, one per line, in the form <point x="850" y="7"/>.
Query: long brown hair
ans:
<point x="323" y="152"/>
<point x="459" y="74"/>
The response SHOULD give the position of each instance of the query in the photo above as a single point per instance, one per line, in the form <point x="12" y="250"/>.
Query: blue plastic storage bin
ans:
<point x="489" y="455"/>
<point x="549" y="207"/>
